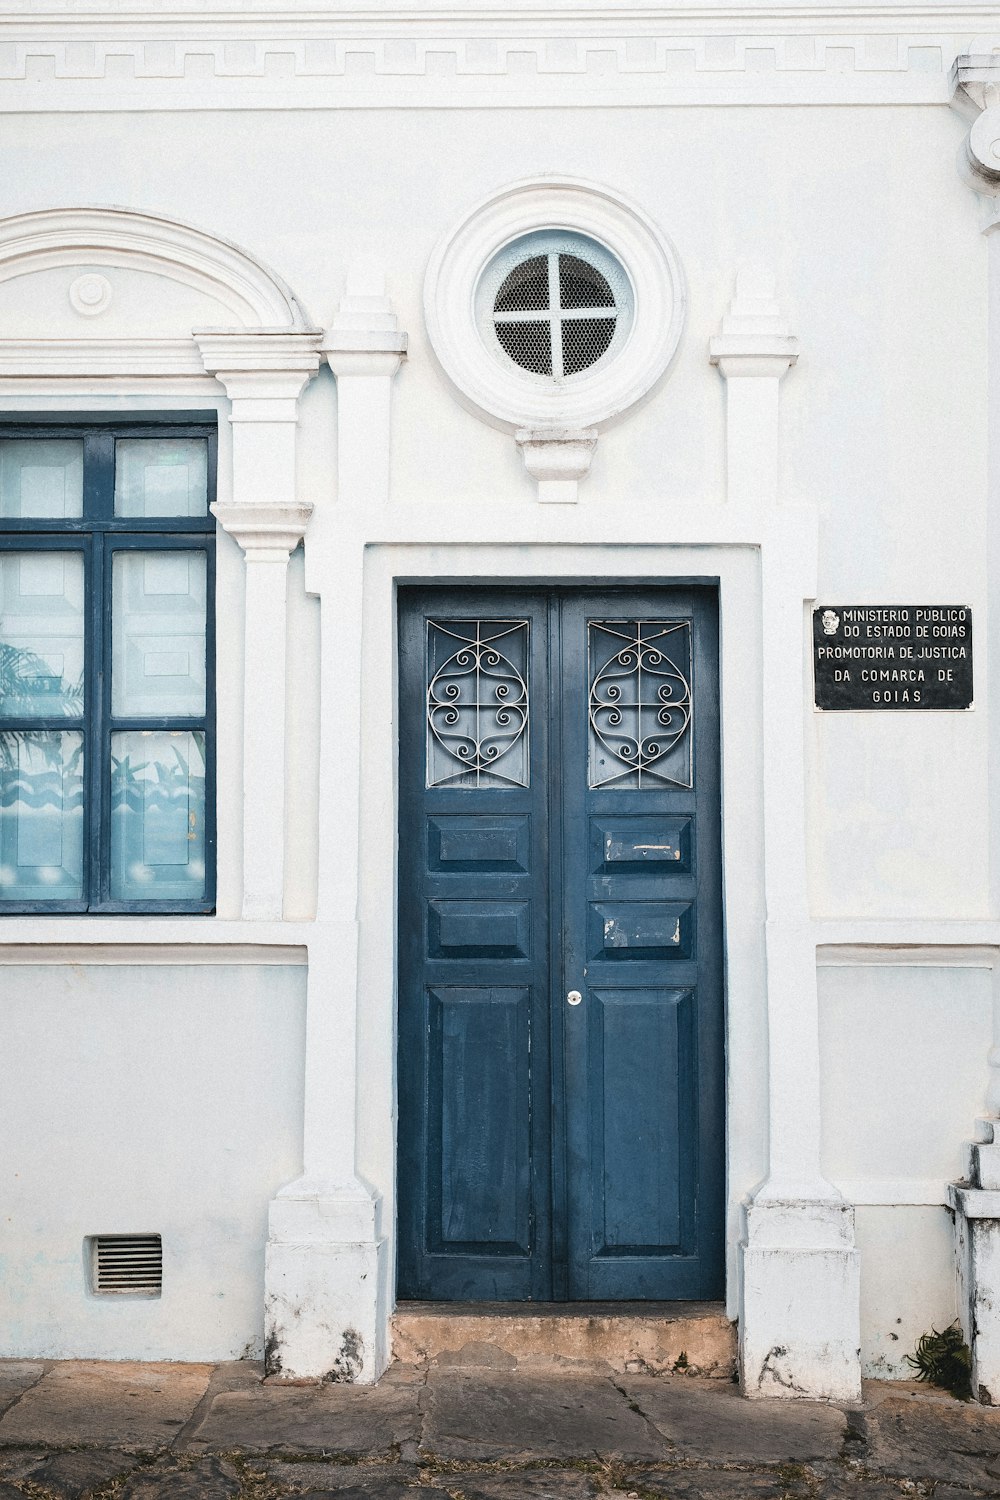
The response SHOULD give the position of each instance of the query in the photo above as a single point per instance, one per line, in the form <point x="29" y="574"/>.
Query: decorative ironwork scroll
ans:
<point x="477" y="703"/>
<point x="640" y="703"/>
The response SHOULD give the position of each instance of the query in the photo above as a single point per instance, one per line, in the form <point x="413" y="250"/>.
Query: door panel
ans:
<point x="641" y="915"/>
<point x="474" y="1151"/>
<point x="559" y="831"/>
<point x="479" y="1069"/>
<point x="638" y="1034"/>
<point x="487" y="845"/>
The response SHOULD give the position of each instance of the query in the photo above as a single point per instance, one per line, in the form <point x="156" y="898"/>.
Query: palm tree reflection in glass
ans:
<point x="158" y="814"/>
<point x="41" y="782"/>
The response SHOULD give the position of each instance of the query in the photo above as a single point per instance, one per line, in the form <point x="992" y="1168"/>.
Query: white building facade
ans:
<point x="327" y="337"/>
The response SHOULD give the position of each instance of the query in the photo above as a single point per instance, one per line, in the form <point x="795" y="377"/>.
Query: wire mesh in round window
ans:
<point x="554" y="303"/>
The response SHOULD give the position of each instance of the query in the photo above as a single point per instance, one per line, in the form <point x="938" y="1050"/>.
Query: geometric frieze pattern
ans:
<point x="918" y="60"/>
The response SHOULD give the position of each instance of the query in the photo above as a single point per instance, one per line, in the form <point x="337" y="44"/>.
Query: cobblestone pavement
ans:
<point x="542" y="1431"/>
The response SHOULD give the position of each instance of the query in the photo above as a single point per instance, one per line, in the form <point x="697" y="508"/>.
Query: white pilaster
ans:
<point x="976" y="1201"/>
<point x="263" y="374"/>
<point x="800" y="1289"/>
<point x="326" y="1268"/>
<point x="364" y="349"/>
<point x="753" y="353"/>
<point x="326" y="1313"/>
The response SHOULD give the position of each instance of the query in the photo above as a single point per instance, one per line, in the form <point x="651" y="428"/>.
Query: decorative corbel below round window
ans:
<point x="554" y="304"/>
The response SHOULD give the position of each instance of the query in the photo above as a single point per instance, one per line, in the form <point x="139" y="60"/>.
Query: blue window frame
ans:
<point x="107" y="652"/>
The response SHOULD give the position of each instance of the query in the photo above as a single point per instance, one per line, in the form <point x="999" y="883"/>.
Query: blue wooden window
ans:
<point x="107" y="650"/>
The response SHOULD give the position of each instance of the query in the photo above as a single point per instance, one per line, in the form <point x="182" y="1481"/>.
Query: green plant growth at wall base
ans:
<point x="944" y="1359"/>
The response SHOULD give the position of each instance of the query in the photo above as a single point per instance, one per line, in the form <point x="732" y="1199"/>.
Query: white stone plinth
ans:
<point x="801" y="1333"/>
<point x="325" y="1276"/>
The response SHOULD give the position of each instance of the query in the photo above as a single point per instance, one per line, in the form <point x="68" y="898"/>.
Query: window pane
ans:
<point x="41" y="634"/>
<point x="157" y="816"/>
<point x="158" y="634"/>
<point x="41" y="816"/>
<point x="161" y="477"/>
<point x="41" y="477"/>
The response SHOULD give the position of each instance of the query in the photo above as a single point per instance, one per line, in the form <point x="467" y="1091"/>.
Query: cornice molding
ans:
<point x="434" y="57"/>
<point x="136" y="358"/>
<point x="244" y="14"/>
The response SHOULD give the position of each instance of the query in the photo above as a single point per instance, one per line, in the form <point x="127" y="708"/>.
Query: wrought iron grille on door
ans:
<point x="477" y="703"/>
<point x="639" y="702"/>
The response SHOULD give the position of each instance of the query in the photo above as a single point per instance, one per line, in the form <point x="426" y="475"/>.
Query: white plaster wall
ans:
<point x="794" y="188"/>
<point x="880" y="267"/>
<point x="147" y="1097"/>
<point x="881" y="271"/>
<point x="907" y="1283"/>
<point x="899" y="799"/>
<point x="903" y="1050"/>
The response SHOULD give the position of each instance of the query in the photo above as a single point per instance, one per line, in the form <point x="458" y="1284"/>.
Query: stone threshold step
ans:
<point x="652" y="1338"/>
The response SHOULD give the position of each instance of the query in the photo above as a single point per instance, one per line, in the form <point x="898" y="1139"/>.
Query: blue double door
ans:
<point x="560" y="1071"/>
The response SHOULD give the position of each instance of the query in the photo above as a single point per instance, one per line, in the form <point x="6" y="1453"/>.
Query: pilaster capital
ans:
<point x="370" y="361"/>
<point x="754" y="339"/>
<point x="365" y="338"/>
<point x="976" y="95"/>
<point x="557" y="458"/>
<point x="265" y="367"/>
<point x="267" y="533"/>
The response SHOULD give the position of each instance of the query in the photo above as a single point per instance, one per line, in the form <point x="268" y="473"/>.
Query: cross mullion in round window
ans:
<point x="557" y="304"/>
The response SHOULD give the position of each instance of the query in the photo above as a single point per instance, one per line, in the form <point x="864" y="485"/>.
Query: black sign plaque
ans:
<point x="894" y="656"/>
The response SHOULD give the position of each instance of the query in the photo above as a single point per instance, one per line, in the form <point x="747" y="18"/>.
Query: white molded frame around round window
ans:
<point x="497" y="389"/>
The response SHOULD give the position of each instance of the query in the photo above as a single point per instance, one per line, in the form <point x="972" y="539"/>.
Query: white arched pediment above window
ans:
<point x="94" y="292"/>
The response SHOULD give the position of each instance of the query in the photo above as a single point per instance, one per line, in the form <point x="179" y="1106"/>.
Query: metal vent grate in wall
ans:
<point x="130" y="1264"/>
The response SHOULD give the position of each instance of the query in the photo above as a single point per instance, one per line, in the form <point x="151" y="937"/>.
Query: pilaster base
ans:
<point x="977" y="1253"/>
<point x="325" y="1285"/>
<point x="800" y="1323"/>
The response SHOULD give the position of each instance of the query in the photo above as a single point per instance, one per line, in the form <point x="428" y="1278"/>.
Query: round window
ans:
<point x="555" y="304"/>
